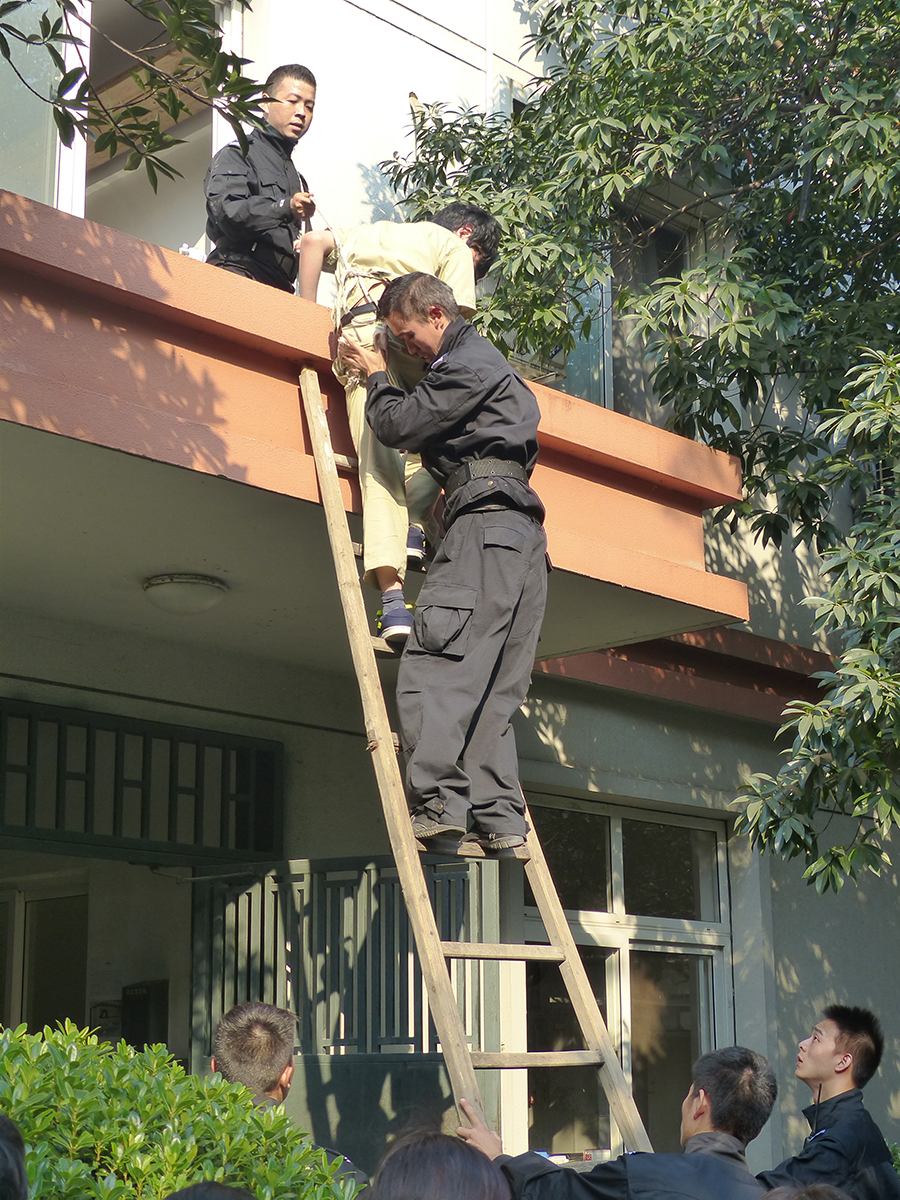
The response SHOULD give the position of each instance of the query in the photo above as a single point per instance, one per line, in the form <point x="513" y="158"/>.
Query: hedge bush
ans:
<point x="111" y="1123"/>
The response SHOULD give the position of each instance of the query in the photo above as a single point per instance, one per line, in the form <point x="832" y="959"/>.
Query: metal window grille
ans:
<point x="95" y="781"/>
<point x="332" y="943"/>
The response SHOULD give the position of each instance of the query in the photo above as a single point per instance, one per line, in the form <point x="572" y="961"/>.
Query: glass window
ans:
<point x="568" y="1113"/>
<point x="670" y="871"/>
<point x="576" y="845"/>
<point x="669" y="1000"/>
<point x="28" y="142"/>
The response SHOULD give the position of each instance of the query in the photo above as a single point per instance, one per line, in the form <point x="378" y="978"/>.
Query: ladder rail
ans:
<point x="441" y="1000"/>
<point x="460" y="1060"/>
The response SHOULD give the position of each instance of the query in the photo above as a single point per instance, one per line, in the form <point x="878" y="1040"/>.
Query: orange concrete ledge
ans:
<point x="124" y="344"/>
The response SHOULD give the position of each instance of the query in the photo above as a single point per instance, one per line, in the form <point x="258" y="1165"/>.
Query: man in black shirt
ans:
<point x="468" y="661"/>
<point x="256" y="204"/>
<point x="845" y="1147"/>
<point x="731" y="1096"/>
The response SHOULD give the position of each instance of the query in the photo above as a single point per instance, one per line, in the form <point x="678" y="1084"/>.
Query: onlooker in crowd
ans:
<point x="433" y="1166"/>
<point x="729" y="1101"/>
<point x="845" y="1148"/>
<point x="256" y="203"/>
<point x="457" y="245"/>
<point x="13" y="1180"/>
<point x="254" y="1045"/>
<point x="814" y="1191"/>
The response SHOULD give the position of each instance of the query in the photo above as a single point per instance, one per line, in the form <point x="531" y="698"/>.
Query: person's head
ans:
<point x="477" y="228"/>
<point x="211" y="1191"/>
<point x="254" y="1045"/>
<point x="812" y="1191"/>
<point x="13" y="1180"/>
<point x="842" y="1052"/>
<point x="289" y="99"/>
<point x="732" y="1091"/>
<point x="439" y="1167"/>
<point x="417" y="309"/>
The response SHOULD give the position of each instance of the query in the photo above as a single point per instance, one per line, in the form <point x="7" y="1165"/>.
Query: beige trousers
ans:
<point x="396" y="489"/>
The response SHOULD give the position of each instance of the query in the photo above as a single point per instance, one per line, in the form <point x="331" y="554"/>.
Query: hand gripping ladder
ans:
<point x="461" y="1062"/>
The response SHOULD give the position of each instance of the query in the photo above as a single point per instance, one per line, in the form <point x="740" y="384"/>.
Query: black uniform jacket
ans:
<point x="845" y="1149"/>
<point x="712" y="1167"/>
<point x="248" y="207"/>
<point x="470" y="405"/>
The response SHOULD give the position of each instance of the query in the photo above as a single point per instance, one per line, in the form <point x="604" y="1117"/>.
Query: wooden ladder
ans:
<point x="460" y="1060"/>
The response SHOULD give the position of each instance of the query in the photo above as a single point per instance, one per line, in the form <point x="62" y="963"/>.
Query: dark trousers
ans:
<point x="467" y="667"/>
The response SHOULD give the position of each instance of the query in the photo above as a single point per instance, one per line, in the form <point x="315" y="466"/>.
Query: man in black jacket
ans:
<point x="468" y="661"/>
<point x="845" y="1147"/>
<point x="731" y="1096"/>
<point x="256" y="204"/>
<point x="254" y="1045"/>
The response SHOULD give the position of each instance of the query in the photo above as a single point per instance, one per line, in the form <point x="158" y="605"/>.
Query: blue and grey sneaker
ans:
<point x="415" y="546"/>
<point x="395" y="625"/>
<point x="434" y="837"/>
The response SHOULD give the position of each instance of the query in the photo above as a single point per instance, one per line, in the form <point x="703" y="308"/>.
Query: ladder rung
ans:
<point x="493" y="950"/>
<point x="345" y="463"/>
<point x="380" y="646"/>
<point x="538" y="1058"/>
<point x="357" y="548"/>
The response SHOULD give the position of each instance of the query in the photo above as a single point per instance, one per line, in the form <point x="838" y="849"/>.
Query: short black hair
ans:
<point x="289" y="71"/>
<point x="485" y="233"/>
<point x="207" y="1190"/>
<point x="440" y="1167"/>
<point x="414" y="294"/>
<point x="13" y="1180"/>
<point x="254" y="1042"/>
<point x="809" y="1191"/>
<point x="861" y="1036"/>
<point x="741" y="1088"/>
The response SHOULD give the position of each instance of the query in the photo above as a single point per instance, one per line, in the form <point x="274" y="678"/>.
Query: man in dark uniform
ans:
<point x="845" y="1147"/>
<point x="468" y="661"/>
<point x="256" y="204"/>
<point x="730" y="1099"/>
<point x="254" y="1045"/>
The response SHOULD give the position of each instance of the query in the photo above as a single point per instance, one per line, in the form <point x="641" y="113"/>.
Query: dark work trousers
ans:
<point x="467" y="667"/>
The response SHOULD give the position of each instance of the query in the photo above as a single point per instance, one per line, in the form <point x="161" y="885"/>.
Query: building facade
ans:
<point x="189" y="813"/>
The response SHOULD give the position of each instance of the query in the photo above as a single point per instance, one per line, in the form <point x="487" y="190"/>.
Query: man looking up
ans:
<point x="256" y="204"/>
<point x="469" y="658"/>
<point x="845" y="1147"/>
<point x="457" y="245"/>
<point x="254" y="1045"/>
<point x="730" y="1098"/>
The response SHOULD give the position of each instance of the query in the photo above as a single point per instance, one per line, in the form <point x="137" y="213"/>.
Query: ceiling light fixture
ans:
<point x="184" y="594"/>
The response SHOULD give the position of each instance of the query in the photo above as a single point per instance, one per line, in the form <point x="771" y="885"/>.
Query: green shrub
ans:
<point x="110" y="1123"/>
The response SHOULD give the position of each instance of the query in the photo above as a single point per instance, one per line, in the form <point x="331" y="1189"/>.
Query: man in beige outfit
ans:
<point x="458" y="246"/>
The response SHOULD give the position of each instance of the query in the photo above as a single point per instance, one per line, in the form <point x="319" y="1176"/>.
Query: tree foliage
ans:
<point x="200" y="73"/>
<point x="770" y="129"/>
<point x="110" y="1123"/>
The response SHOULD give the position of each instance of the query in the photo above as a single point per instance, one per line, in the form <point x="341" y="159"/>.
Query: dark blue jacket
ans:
<point x="845" y="1149"/>
<point x="712" y="1168"/>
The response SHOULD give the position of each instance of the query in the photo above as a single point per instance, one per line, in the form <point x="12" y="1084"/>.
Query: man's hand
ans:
<point x="479" y="1135"/>
<point x="302" y="205"/>
<point x="363" y="359"/>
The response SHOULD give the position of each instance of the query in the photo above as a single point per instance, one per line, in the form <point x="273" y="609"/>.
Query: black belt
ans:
<point x="358" y="311"/>
<point x="484" y="468"/>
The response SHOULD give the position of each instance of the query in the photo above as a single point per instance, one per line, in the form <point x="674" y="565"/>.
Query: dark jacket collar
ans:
<point x="452" y="334"/>
<point x="821" y="1115"/>
<point x="722" y="1145"/>
<point x="284" y="145"/>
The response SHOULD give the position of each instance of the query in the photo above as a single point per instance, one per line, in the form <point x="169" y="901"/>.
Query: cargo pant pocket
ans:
<point x="443" y="619"/>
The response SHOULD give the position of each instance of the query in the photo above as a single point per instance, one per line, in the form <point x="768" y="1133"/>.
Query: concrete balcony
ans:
<point x="151" y="423"/>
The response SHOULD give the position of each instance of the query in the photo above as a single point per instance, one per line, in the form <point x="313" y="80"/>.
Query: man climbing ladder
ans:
<point x="468" y="662"/>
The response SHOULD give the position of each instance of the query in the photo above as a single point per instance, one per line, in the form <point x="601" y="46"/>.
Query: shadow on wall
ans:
<point x="119" y="376"/>
<point x="840" y="949"/>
